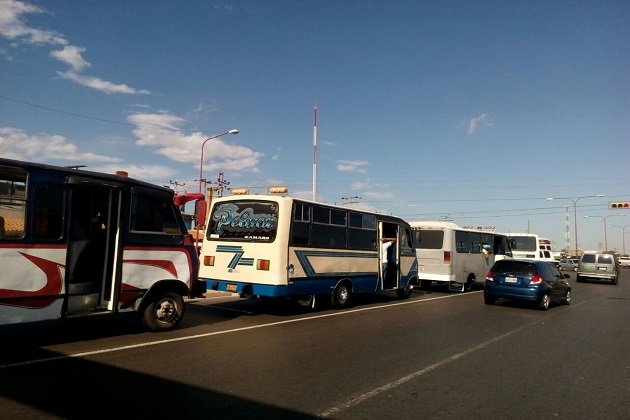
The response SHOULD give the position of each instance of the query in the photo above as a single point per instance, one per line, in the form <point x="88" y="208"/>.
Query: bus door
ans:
<point x="93" y="236"/>
<point x="389" y="256"/>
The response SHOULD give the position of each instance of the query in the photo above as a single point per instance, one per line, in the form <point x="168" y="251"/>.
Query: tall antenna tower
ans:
<point x="314" y="153"/>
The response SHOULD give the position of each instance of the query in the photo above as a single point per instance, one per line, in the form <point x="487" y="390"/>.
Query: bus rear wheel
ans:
<point x="404" y="292"/>
<point x="163" y="312"/>
<point x="341" y="296"/>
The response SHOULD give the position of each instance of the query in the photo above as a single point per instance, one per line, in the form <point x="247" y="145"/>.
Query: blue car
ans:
<point x="535" y="281"/>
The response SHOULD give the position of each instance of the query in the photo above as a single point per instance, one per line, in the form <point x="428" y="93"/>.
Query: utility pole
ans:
<point x="176" y="184"/>
<point x="204" y="182"/>
<point x="567" y="234"/>
<point x="221" y="184"/>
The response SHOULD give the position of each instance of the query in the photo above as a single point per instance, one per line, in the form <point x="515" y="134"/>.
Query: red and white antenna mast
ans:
<point x="315" y="154"/>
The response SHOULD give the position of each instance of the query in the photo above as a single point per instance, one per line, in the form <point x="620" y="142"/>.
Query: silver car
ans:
<point x="598" y="266"/>
<point x="569" y="264"/>
<point x="624" y="262"/>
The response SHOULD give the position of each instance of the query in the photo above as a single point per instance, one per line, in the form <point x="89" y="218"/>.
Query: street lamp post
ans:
<point x="232" y="131"/>
<point x="574" y="200"/>
<point x="605" y="230"/>
<point x="623" y="236"/>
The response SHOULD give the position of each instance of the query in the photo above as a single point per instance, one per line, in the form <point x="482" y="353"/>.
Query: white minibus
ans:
<point x="461" y="257"/>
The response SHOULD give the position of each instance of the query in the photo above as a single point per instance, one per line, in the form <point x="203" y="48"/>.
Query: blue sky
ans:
<point x="472" y="110"/>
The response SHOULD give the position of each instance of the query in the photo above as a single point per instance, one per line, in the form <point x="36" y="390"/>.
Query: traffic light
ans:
<point x="619" y="205"/>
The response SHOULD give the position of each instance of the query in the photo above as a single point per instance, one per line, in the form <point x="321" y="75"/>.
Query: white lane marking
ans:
<point x="210" y="334"/>
<point x="400" y="381"/>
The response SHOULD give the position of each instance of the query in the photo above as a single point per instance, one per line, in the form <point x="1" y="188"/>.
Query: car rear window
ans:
<point x="511" y="266"/>
<point x="605" y="259"/>
<point x="588" y="258"/>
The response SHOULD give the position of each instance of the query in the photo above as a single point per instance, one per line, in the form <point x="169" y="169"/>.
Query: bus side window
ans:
<point x="462" y="243"/>
<point x="150" y="214"/>
<point x="12" y="203"/>
<point x="405" y="240"/>
<point x="48" y="213"/>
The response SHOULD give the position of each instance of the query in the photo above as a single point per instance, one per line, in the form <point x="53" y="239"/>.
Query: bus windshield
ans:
<point x="244" y="220"/>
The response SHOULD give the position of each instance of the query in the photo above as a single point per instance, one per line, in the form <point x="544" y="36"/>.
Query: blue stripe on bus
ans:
<point x="229" y="248"/>
<point x="299" y="287"/>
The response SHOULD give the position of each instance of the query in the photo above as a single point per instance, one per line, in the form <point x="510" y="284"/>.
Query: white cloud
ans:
<point x="372" y="190"/>
<point x="476" y="122"/>
<point x="156" y="174"/>
<point x="71" y="55"/>
<point x="16" y="144"/>
<point x="160" y="131"/>
<point x="13" y="26"/>
<point x="352" y="166"/>
<point x="100" y="84"/>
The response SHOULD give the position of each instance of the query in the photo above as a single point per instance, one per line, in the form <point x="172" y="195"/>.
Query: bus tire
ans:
<point x="468" y="286"/>
<point x="163" y="312"/>
<point x="404" y="292"/>
<point x="340" y="297"/>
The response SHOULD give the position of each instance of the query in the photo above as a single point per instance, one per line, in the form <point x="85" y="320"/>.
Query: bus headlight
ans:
<point x="291" y="269"/>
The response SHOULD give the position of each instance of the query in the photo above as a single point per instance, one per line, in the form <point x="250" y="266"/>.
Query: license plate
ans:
<point x="231" y="288"/>
<point x="602" y="268"/>
<point x="511" y="280"/>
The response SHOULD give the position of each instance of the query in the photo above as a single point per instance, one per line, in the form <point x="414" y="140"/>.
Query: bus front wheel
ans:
<point x="163" y="312"/>
<point x="341" y="296"/>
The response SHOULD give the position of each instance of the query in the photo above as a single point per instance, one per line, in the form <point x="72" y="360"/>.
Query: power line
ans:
<point x="92" y="117"/>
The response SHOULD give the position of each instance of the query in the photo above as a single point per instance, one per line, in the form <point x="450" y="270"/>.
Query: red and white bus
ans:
<point x="74" y="242"/>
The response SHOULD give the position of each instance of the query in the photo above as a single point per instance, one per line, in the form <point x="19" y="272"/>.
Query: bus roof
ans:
<point x="278" y="197"/>
<point x="118" y="178"/>
<point x="428" y="224"/>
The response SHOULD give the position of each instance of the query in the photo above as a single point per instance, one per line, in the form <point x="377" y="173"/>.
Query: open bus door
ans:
<point x="93" y="247"/>
<point x="389" y="256"/>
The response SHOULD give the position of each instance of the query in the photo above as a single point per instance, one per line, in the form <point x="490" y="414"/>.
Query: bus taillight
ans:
<point x="262" y="265"/>
<point x="208" y="260"/>
<point x="447" y="257"/>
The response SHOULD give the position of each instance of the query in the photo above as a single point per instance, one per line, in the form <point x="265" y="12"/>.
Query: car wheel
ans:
<point x="567" y="298"/>
<point x="489" y="300"/>
<point x="614" y="280"/>
<point x="544" y="302"/>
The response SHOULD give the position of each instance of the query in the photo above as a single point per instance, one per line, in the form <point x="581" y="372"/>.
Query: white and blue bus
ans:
<point x="454" y="255"/>
<point x="278" y="246"/>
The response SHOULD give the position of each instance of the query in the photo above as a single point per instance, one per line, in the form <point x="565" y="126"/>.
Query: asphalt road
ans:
<point x="435" y="355"/>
